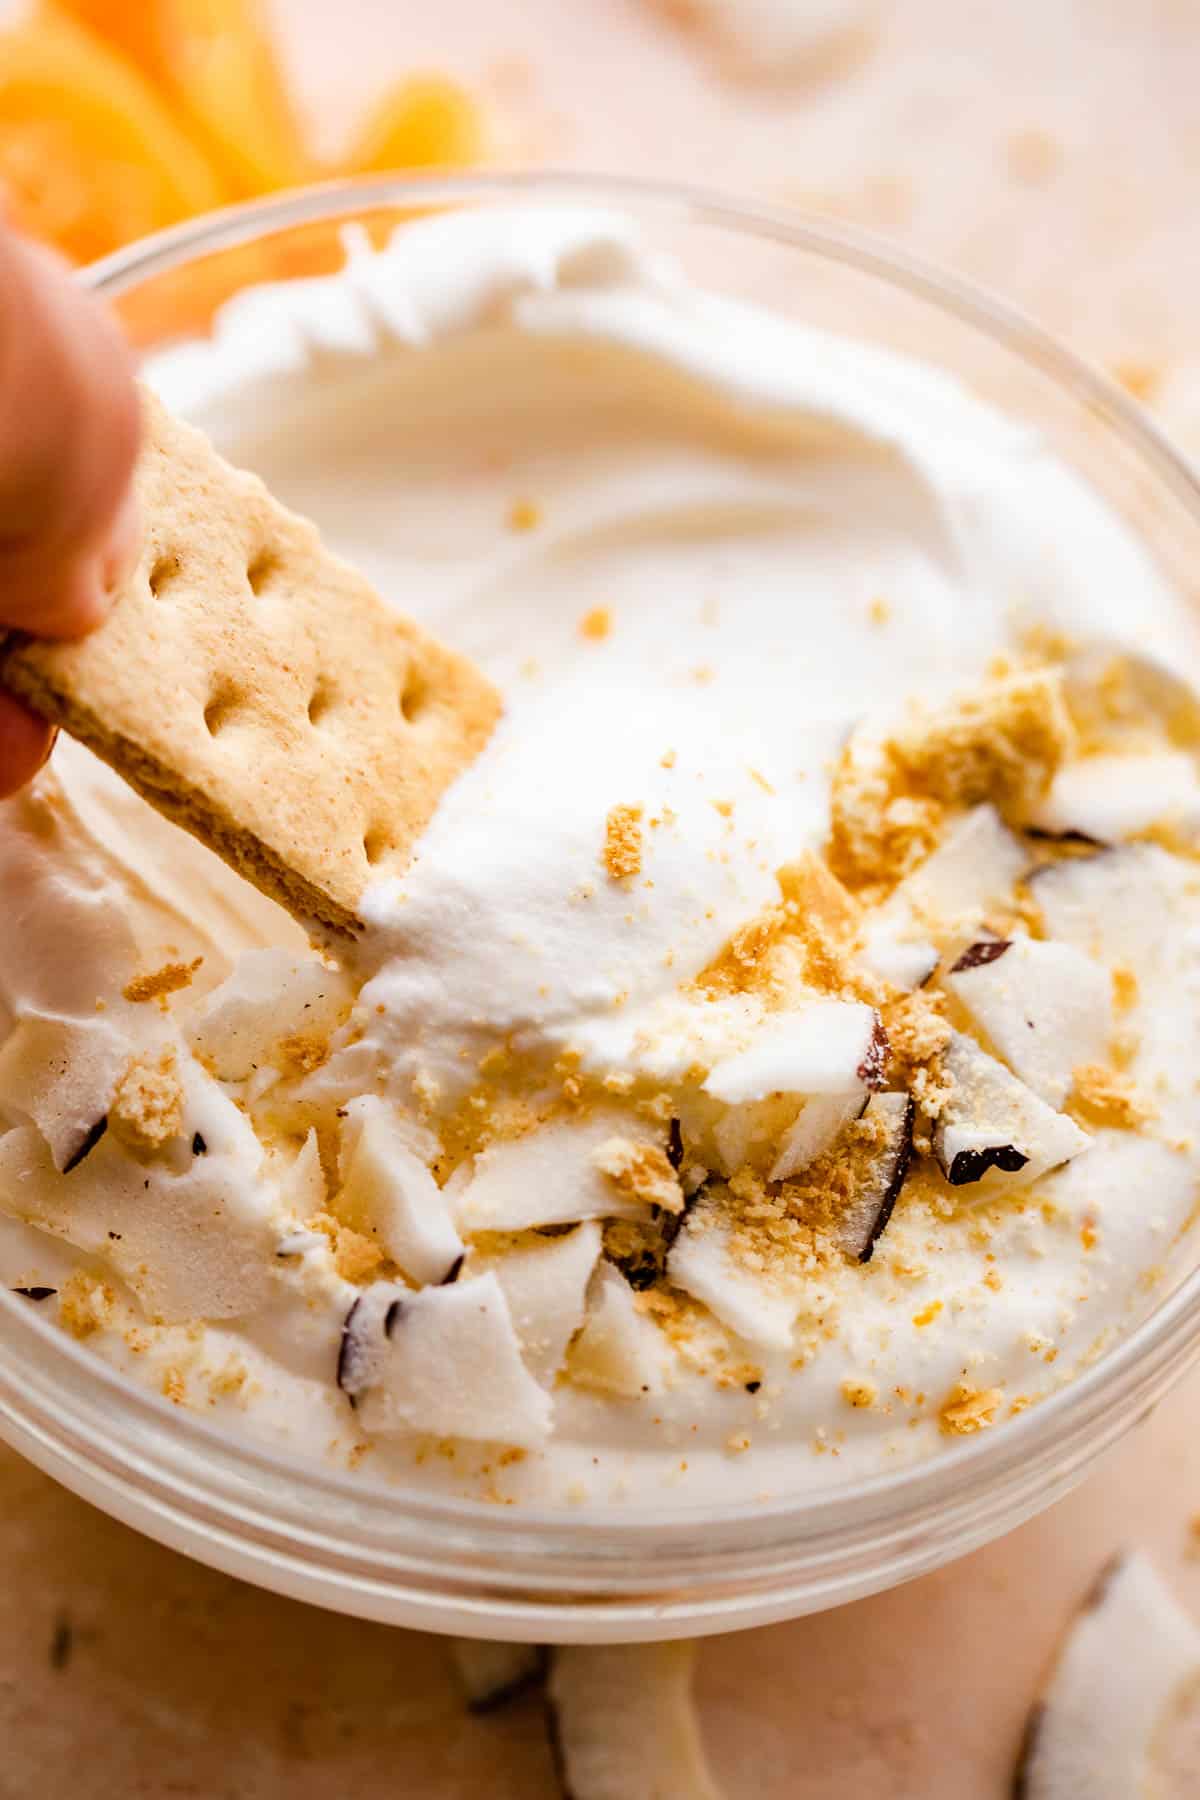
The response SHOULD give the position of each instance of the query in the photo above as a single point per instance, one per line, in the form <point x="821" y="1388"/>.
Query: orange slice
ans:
<point x="215" y="61"/>
<point x="90" y="157"/>
<point x="421" y="123"/>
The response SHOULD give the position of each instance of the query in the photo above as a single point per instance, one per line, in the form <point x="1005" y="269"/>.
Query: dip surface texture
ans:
<point x="775" y="1063"/>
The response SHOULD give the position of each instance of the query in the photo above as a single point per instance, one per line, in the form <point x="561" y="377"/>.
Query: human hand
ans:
<point x="69" y="426"/>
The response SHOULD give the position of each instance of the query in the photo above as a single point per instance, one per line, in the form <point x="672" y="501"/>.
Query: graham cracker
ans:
<point x="257" y="691"/>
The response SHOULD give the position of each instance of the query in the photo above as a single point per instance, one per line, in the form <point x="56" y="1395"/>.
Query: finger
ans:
<point x="69" y="427"/>
<point x="62" y="600"/>
<point x="25" y="743"/>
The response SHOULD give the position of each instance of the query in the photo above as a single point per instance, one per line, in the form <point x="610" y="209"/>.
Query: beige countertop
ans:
<point x="1050" y="148"/>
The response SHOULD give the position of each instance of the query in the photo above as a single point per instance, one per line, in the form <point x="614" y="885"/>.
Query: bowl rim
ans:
<point x="1094" y="1407"/>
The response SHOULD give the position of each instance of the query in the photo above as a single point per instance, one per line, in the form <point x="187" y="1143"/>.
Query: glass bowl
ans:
<point x="399" y="1555"/>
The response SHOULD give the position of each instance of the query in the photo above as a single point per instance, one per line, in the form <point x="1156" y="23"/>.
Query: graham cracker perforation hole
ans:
<point x="323" y="701"/>
<point x="263" y="569"/>
<point x="223" y="704"/>
<point x="377" y="844"/>
<point x="414" y="695"/>
<point x="163" y="572"/>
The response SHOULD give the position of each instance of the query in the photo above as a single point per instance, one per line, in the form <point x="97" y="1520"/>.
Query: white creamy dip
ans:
<point x="695" y="546"/>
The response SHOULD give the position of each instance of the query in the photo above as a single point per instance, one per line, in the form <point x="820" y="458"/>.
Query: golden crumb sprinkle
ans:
<point x="639" y="1172"/>
<point x="147" y="1108"/>
<point x="355" y="1257"/>
<point x="877" y="834"/>
<point x="917" y="1033"/>
<point x="858" y="1393"/>
<point x="667" y="759"/>
<point x="967" y="1409"/>
<point x="927" y="1314"/>
<point x="622" y="854"/>
<point x="173" y="1384"/>
<point x="1102" y="1096"/>
<point x="85" y="1304"/>
<point x="303" y="1051"/>
<point x="596" y="624"/>
<point x="230" y="1379"/>
<point x="1124" y="988"/>
<point x="524" y="515"/>
<point x="879" y="611"/>
<point x="1000" y="741"/>
<point x="170" y="979"/>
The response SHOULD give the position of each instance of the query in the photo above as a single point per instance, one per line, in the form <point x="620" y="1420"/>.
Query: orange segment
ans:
<point x="90" y="157"/>
<point x="215" y="60"/>
<point x="420" y="123"/>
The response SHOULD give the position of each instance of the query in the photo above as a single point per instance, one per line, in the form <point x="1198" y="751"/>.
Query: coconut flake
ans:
<point x="61" y="1075"/>
<point x="973" y="870"/>
<point x="389" y="1190"/>
<point x="826" y="1047"/>
<point x="817" y="1126"/>
<point x="619" y="1350"/>
<point x="301" y="1188"/>
<point x="1106" y="798"/>
<point x="271" y="996"/>
<point x="624" y="1724"/>
<point x="550" y="1177"/>
<point x="1120" y="905"/>
<point x="704" y="1264"/>
<point x="902" y="961"/>
<point x="1128" y="1668"/>
<point x="994" y="1132"/>
<point x="492" y="1674"/>
<point x="1046" y="1007"/>
<point x="446" y="1362"/>
<point x="192" y="1243"/>
<point x="864" y="1220"/>
<point x="545" y="1284"/>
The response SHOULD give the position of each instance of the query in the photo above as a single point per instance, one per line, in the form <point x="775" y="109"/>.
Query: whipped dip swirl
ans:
<point x="676" y="1125"/>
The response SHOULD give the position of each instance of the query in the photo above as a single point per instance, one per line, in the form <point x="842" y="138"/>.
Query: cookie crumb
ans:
<point x="147" y="1108"/>
<point x="859" y="1393"/>
<point x="524" y="515"/>
<point x="355" y="1257"/>
<point x="85" y="1304"/>
<point x="173" y="1384"/>
<point x="622" y="854"/>
<point x="303" y="1051"/>
<point x="1102" y="1096"/>
<point x="172" y="978"/>
<point x="967" y="1409"/>
<point x="640" y="1172"/>
<point x="1000" y="741"/>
